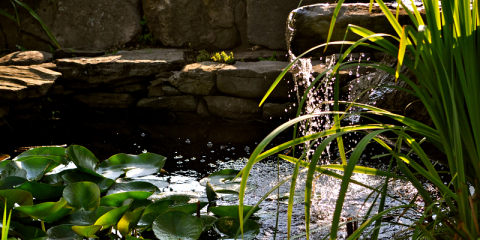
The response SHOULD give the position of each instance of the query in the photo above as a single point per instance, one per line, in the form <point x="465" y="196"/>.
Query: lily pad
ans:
<point x="54" y="153"/>
<point x="231" y="211"/>
<point x="221" y="177"/>
<point x="86" y="218"/>
<point x="132" y="165"/>
<point x="18" y="196"/>
<point x="116" y="199"/>
<point x="87" y="231"/>
<point x="83" y="158"/>
<point x="27" y="232"/>
<point x="129" y="221"/>
<point x="42" y="191"/>
<point x="132" y="186"/>
<point x="73" y="176"/>
<point x="189" y="208"/>
<point x="207" y="221"/>
<point x="178" y="198"/>
<point x="211" y="195"/>
<point x="10" y="182"/>
<point x="177" y="225"/>
<point x="112" y="217"/>
<point x="34" y="166"/>
<point x="229" y="227"/>
<point x="63" y="232"/>
<point x="51" y="210"/>
<point x="152" y="211"/>
<point x="82" y="196"/>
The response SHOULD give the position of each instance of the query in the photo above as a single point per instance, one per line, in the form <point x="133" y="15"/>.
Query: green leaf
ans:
<point x="207" y="221"/>
<point x="116" y="199"/>
<point x="54" y="153"/>
<point x="11" y="182"/>
<point x="152" y="211"/>
<point x="177" y="225"/>
<point x="34" y="166"/>
<point x="63" y="232"/>
<point x="229" y="227"/>
<point x="132" y="165"/>
<point x="77" y="176"/>
<point x="86" y="231"/>
<point x="20" y="197"/>
<point x="131" y="187"/>
<point x="26" y="232"/>
<point x="43" y="210"/>
<point x="231" y="211"/>
<point x="82" y="196"/>
<point x="42" y="191"/>
<point x="83" y="159"/>
<point x="211" y="195"/>
<point x="176" y="198"/>
<point x="189" y="208"/>
<point x="112" y="217"/>
<point x="129" y="221"/>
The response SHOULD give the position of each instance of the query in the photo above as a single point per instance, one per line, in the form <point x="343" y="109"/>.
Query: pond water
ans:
<point x="196" y="149"/>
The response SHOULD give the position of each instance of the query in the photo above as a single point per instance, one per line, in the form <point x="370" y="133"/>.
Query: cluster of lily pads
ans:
<point x="58" y="193"/>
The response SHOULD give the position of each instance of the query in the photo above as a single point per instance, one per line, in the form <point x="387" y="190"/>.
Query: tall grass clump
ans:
<point x="441" y="50"/>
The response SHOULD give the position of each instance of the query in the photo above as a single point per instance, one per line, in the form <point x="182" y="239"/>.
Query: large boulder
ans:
<point x="197" y="78"/>
<point x="311" y="25"/>
<point x="122" y="65"/>
<point x="26" y="58"/>
<point x="233" y="108"/>
<point x="266" y="21"/>
<point x="18" y="82"/>
<point x="253" y="79"/>
<point x="207" y="24"/>
<point x="88" y="23"/>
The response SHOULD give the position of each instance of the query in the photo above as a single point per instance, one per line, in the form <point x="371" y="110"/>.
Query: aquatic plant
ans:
<point x="443" y="55"/>
<point x="77" y="196"/>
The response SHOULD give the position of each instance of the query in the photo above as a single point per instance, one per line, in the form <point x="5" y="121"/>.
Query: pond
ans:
<point x="198" y="148"/>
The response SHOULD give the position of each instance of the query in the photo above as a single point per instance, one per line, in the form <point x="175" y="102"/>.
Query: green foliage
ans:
<point x="203" y="56"/>
<point x="272" y="58"/>
<point x="147" y="36"/>
<point x="445" y="61"/>
<point x="94" y="198"/>
<point x="223" y="58"/>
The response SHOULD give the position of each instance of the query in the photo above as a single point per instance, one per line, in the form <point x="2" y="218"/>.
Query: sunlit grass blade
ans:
<point x="401" y="52"/>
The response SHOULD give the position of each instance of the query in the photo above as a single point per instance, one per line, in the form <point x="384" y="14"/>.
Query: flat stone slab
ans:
<point x="233" y="108"/>
<point x="253" y="79"/>
<point x="115" y="67"/>
<point x="18" y="82"/>
<point x="197" y="78"/>
<point x="107" y="100"/>
<point x="279" y="111"/>
<point x="184" y="103"/>
<point x="254" y="56"/>
<point x="26" y="58"/>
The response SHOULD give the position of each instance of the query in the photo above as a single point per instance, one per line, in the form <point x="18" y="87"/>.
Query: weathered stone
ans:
<point x="233" y="108"/>
<point x="88" y="23"/>
<point x="132" y="88"/>
<point x="18" y="82"/>
<point x="312" y="25"/>
<point x="116" y="67"/>
<point x="155" y="91"/>
<point x="170" y="91"/>
<point x="267" y="21"/>
<point x="50" y="65"/>
<point x="253" y="79"/>
<point x="56" y="90"/>
<point x="276" y="111"/>
<point x="78" y="52"/>
<point x="197" y="78"/>
<point x="26" y="58"/>
<point x="205" y="24"/>
<point x="107" y="100"/>
<point x="254" y="56"/>
<point x="183" y="103"/>
<point x="202" y="108"/>
<point x="241" y="21"/>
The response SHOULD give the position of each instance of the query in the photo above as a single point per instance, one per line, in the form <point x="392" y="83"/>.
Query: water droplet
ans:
<point x="144" y="151"/>
<point x="187" y="141"/>
<point x="143" y="134"/>
<point x="209" y="144"/>
<point x="202" y="160"/>
<point x="212" y="151"/>
<point x="193" y="158"/>
<point x="186" y="160"/>
<point x="179" y="162"/>
<point x="350" y="73"/>
<point x="232" y="148"/>
<point x="178" y="157"/>
<point x="247" y="148"/>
